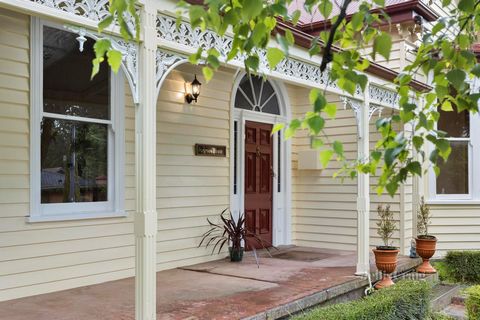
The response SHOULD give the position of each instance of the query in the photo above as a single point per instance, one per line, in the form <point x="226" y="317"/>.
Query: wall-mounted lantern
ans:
<point x="195" y="90"/>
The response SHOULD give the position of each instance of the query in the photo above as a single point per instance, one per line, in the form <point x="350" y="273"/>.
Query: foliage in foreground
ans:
<point x="472" y="303"/>
<point x="407" y="299"/>
<point x="461" y="266"/>
<point x="444" y="52"/>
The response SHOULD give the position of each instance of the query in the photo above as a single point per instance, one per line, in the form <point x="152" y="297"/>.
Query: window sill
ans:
<point x="453" y="202"/>
<point x="75" y="216"/>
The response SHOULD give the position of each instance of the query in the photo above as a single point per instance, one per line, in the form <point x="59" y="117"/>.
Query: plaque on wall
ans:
<point x="209" y="150"/>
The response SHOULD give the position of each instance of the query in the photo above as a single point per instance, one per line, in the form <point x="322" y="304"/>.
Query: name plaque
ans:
<point x="209" y="150"/>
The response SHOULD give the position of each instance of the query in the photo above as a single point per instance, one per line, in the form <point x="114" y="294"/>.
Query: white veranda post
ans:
<point x="363" y="197"/>
<point x="362" y="114"/>
<point x="145" y="144"/>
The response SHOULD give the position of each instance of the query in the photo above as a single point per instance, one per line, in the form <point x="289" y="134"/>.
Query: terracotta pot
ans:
<point x="386" y="261"/>
<point x="426" y="249"/>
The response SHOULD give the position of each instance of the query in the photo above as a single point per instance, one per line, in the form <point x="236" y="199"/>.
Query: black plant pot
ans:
<point x="236" y="254"/>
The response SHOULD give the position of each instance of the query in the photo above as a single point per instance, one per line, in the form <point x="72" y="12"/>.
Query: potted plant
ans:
<point x="425" y="243"/>
<point x="231" y="232"/>
<point x="386" y="255"/>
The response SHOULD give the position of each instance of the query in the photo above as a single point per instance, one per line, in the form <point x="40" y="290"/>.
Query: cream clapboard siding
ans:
<point x="324" y="209"/>
<point x="456" y="227"/>
<point x="43" y="257"/>
<point x="190" y="188"/>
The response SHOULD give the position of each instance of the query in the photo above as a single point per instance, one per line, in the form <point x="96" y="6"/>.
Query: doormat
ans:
<point x="306" y="256"/>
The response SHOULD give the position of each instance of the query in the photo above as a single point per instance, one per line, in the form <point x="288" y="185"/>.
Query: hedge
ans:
<point x="463" y="266"/>
<point x="472" y="303"/>
<point x="407" y="299"/>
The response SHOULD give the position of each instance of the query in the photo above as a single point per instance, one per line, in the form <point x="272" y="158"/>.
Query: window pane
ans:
<point x="455" y="124"/>
<point x="265" y="96"/>
<point x="73" y="161"/>
<point x="271" y="106"/>
<point x="67" y="87"/>
<point x="453" y="178"/>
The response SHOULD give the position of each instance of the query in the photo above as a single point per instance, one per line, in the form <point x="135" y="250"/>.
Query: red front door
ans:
<point x="258" y="182"/>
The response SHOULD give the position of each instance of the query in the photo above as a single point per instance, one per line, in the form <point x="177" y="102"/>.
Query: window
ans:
<point x="256" y="94"/>
<point x="77" y="129"/>
<point x="454" y="174"/>
<point x="459" y="177"/>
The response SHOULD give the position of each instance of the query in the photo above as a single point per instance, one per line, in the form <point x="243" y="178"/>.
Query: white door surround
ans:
<point x="281" y="201"/>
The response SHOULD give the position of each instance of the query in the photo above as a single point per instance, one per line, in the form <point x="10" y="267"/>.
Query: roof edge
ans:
<point x="304" y="40"/>
<point x="396" y="12"/>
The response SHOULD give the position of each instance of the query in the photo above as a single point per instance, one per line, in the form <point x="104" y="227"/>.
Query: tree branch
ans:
<point x="327" y="51"/>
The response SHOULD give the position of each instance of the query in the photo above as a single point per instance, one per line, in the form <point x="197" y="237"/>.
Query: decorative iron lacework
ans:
<point x="95" y="10"/>
<point x="357" y="106"/>
<point x="165" y="61"/>
<point x="188" y="36"/>
<point x="382" y="96"/>
<point x="129" y="53"/>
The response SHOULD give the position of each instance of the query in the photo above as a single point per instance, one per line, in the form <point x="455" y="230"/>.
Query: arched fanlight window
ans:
<point x="256" y="94"/>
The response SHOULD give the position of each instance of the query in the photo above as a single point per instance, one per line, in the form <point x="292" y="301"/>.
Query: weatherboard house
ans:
<point x="100" y="179"/>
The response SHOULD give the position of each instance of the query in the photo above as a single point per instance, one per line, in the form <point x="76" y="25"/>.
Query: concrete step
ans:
<point x="455" y="311"/>
<point x="443" y="295"/>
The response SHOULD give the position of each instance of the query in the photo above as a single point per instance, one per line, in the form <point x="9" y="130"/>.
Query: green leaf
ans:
<point x="466" y="5"/>
<point x="316" y="124"/>
<point x="338" y="148"/>
<point x="392" y="188"/>
<point x="277" y="127"/>
<point x="447" y="106"/>
<point x="289" y="37"/>
<point x="252" y="62"/>
<point x="325" y="7"/>
<point x="476" y="70"/>
<point x="382" y="45"/>
<point x="438" y="27"/>
<point x="390" y="155"/>
<point x="114" y="59"/>
<point x="100" y="48"/>
<point x="415" y="167"/>
<point x="376" y="155"/>
<point x="417" y="142"/>
<point x="207" y="73"/>
<point x="443" y="146"/>
<point x="251" y="9"/>
<point x="331" y="110"/>
<point x="296" y="16"/>
<point x="325" y="157"/>
<point x="313" y="95"/>
<point x="457" y="78"/>
<point x="292" y="128"/>
<point x="274" y="56"/>
<point x="102" y="25"/>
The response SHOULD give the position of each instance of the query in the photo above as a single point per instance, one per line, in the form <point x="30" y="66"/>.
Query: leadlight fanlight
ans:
<point x="256" y="94"/>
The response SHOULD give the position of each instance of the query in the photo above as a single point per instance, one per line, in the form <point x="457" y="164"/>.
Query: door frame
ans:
<point x="281" y="201"/>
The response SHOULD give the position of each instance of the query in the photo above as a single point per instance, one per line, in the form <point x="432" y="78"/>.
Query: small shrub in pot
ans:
<point x="425" y="242"/>
<point x="385" y="255"/>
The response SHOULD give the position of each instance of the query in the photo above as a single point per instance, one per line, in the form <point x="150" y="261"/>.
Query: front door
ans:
<point x="258" y="182"/>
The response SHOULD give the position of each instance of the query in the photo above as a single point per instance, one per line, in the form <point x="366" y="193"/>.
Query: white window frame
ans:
<point x="114" y="207"/>
<point x="473" y="196"/>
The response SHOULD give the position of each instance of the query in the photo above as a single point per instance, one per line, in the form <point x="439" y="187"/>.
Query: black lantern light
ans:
<point x="195" y="88"/>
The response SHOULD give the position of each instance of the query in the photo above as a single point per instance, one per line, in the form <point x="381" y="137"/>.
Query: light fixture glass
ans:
<point x="195" y="90"/>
